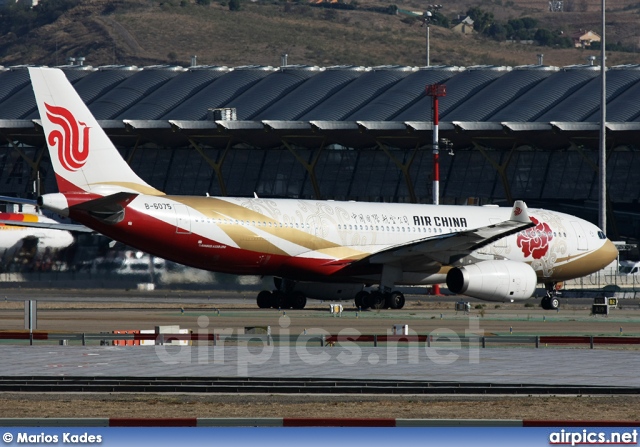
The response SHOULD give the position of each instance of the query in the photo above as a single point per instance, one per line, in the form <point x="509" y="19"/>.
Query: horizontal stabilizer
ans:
<point x="109" y="209"/>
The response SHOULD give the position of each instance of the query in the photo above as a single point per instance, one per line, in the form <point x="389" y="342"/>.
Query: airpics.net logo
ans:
<point x="304" y="348"/>
<point x="590" y="437"/>
<point x="71" y="138"/>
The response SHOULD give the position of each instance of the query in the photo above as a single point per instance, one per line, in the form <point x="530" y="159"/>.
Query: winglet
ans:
<point x="520" y="213"/>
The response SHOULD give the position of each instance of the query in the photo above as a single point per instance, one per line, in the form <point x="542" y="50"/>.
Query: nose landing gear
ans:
<point x="551" y="300"/>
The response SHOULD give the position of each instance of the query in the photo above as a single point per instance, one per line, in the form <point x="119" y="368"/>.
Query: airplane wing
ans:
<point x="50" y="225"/>
<point x="448" y="249"/>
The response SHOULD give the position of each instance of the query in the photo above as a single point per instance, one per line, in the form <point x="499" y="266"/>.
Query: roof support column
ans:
<point x="309" y="167"/>
<point x="404" y="168"/>
<point x="579" y="149"/>
<point x="33" y="164"/>
<point x="501" y="169"/>
<point x="133" y="151"/>
<point x="215" y="165"/>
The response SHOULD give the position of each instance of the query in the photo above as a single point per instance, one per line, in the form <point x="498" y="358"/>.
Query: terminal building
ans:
<point x="353" y="133"/>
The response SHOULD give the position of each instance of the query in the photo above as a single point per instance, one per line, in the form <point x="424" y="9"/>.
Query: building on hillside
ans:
<point x="583" y="38"/>
<point x="31" y="3"/>
<point x="465" y="26"/>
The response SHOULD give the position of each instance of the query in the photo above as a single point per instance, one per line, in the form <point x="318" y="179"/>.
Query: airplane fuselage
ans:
<point x="307" y="239"/>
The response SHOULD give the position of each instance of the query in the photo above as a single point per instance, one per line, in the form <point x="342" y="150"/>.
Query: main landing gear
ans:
<point x="378" y="300"/>
<point x="281" y="300"/>
<point x="295" y="299"/>
<point x="550" y="301"/>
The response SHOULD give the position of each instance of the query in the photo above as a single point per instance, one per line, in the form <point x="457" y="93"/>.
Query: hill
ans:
<point x="147" y="32"/>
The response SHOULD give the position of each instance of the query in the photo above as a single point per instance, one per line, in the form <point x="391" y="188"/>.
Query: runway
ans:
<point x="224" y="313"/>
<point x="616" y="368"/>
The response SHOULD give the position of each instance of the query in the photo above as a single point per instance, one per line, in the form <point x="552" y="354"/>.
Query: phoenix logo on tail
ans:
<point x="72" y="156"/>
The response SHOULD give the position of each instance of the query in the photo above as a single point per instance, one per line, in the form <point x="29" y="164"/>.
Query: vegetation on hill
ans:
<point x="357" y="32"/>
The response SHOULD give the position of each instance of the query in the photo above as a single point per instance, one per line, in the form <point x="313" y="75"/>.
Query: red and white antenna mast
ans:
<point x="436" y="91"/>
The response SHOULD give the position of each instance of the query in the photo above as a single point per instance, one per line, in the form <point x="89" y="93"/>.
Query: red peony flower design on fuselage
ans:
<point x="535" y="241"/>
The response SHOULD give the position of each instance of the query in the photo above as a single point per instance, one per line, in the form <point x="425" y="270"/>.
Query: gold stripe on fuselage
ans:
<point x="245" y="238"/>
<point x="584" y="264"/>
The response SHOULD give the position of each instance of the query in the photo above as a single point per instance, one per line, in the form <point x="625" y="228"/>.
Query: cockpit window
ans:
<point x="601" y="235"/>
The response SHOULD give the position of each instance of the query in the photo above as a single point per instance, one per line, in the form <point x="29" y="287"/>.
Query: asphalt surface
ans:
<point x="89" y="311"/>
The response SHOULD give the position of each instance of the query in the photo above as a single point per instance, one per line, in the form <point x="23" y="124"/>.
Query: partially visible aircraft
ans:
<point x="32" y="232"/>
<point x="314" y="248"/>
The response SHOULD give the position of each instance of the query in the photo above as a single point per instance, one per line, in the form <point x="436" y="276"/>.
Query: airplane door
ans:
<point x="183" y="220"/>
<point x="583" y="243"/>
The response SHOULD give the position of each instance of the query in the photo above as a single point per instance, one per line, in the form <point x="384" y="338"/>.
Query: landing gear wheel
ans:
<point x="377" y="300"/>
<point x="360" y="299"/>
<point x="551" y="301"/>
<point x="395" y="300"/>
<point x="264" y="299"/>
<point x="298" y="300"/>
<point x="367" y="301"/>
<point x="278" y="299"/>
<point x="400" y="301"/>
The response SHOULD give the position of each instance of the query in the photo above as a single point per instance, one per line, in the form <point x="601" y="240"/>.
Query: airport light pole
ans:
<point x="426" y="20"/>
<point x="602" y="165"/>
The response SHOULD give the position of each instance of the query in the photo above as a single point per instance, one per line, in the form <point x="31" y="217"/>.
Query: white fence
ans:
<point x="607" y="280"/>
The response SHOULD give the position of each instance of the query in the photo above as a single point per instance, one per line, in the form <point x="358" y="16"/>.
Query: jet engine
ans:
<point x="494" y="280"/>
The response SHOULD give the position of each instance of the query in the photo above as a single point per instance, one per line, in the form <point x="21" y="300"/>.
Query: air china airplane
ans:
<point x="314" y="249"/>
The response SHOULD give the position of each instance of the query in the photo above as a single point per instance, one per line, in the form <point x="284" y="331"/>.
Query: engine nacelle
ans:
<point x="54" y="202"/>
<point x="328" y="291"/>
<point x="494" y="280"/>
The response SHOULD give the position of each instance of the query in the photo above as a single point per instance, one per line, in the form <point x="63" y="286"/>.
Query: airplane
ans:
<point x="17" y="232"/>
<point x="319" y="249"/>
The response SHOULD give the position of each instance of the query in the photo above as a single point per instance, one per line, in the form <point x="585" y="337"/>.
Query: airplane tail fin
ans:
<point x="83" y="157"/>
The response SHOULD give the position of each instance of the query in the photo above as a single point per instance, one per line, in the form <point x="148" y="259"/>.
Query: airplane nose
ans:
<point x="608" y="251"/>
